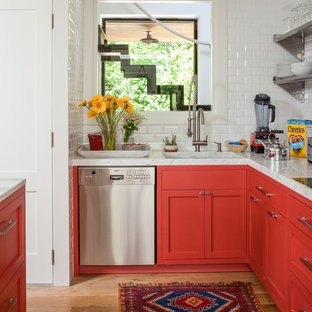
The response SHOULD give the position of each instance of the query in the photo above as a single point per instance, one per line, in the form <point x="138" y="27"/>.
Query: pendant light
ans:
<point x="149" y="40"/>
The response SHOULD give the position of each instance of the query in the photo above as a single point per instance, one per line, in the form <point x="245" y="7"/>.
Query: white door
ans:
<point x="25" y="121"/>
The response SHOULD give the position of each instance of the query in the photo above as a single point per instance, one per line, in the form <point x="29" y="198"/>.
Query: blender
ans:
<point x="265" y="114"/>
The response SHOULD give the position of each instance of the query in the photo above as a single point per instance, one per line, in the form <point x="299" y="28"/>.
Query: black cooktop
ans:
<point x="305" y="181"/>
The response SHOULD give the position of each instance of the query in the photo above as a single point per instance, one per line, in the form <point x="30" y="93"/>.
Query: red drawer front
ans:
<point x="300" y="215"/>
<point x="301" y="256"/>
<point x="11" y="236"/>
<point x="203" y="179"/>
<point x="300" y="298"/>
<point x="269" y="192"/>
<point x="13" y="295"/>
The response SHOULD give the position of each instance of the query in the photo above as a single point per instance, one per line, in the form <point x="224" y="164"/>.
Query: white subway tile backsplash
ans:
<point x="252" y="59"/>
<point x="155" y="129"/>
<point x="237" y="79"/>
<point x="172" y="129"/>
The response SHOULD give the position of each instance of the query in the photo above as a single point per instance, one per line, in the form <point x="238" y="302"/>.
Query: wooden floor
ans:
<point x="95" y="293"/>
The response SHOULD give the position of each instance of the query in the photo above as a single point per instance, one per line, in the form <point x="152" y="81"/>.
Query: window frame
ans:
<point x="104" y="20"/>
<point x="219" y="21"/>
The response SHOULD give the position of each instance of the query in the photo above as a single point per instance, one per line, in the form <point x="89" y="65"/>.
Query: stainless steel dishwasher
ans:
<point x="116" y="215"/>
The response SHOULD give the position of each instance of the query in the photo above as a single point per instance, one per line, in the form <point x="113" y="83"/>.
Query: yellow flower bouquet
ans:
<point x="108" y="111"/>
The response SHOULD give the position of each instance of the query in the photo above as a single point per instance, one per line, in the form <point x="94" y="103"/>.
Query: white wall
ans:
<point x="61" y="233"/>
<point x="252" y="57"/>
<point x="75" y="96"/>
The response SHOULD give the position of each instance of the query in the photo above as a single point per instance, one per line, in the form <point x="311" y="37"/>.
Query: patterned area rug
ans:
<point x="235" y="297"/>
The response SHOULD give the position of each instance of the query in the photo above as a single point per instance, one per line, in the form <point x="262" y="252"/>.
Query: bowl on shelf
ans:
<point x="236" y="146"/>
<point x="301" y="68"/>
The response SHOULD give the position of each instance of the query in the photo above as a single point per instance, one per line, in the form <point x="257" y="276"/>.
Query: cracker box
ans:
<point x="298" y="132"/>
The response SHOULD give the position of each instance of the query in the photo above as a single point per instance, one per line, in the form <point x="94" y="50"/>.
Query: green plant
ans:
<point x="130" y="124"/>
<point x="170" y="141"/>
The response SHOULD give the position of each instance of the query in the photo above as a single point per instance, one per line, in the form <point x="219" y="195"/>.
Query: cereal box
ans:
<point x="298" y="132"/>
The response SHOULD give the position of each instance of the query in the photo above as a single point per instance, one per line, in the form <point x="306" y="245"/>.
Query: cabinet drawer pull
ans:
<point x="304" y="221"/>
<point x="305" y="261"/>
<point x="12" y="302"/>
<point x="9" y="227"/>
<point x="263" y="191"/>
<point x="201" y="193"/>
<point x="208" y="193"/>
<point x="254" y="198"/>
<point x="272" y="214"/>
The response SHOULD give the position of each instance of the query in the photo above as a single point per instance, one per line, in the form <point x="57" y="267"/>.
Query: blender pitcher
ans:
<point x="263" y="107"/>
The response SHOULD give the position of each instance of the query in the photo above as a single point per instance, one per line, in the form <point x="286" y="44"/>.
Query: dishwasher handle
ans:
<point x="116" y="177"/>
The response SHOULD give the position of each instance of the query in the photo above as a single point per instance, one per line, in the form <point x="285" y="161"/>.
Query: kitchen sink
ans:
<point x="200" y="155"/>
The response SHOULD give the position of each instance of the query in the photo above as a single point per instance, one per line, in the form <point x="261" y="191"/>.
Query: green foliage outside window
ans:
<point x="174" y="66"/>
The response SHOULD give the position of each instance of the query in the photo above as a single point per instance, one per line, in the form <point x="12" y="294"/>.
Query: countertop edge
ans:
<point x="14" y="185"/>
<point x="280" y="171"/>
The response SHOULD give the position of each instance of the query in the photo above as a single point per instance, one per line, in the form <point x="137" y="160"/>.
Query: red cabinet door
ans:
<point x="12" y="241"/>
<point x="227" y="224"/>
<point x="300" y="299"/>
<point x="257" y="235"/>
<point x="13" y="295"/>
<point x="276" y="256"/>
<point x="183" y="225"/>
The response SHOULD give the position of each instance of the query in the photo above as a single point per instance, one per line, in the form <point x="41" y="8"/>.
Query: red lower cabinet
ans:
<point x="13" y="296"/>
<point x="226" y="236"/>
<point x="268" y="227"/>
<point x="276" y="257"/>
<point x="12" y="253"/>
<point x="183" y="225"/>
<point x="257" y="237"/>
<point x="200" y="226"/>
<point x="268" y="248"/>
<point x="300" y="299"/>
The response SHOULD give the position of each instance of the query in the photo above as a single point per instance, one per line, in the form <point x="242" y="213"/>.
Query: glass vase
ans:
<point x="109" y="138"/>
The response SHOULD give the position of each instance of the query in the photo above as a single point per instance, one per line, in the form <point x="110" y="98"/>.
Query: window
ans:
<point x="155" y="73"/>
<point x="212" y="74"/>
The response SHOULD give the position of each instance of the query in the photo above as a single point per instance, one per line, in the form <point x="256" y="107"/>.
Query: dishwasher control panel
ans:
<point x="116" y="175"/>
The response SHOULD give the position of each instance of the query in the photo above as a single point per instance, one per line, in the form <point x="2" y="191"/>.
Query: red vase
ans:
<point x="95" y="141"/>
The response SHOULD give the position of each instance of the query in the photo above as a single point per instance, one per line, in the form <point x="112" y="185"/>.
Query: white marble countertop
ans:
<point x="9" y="186"/>
<point x="281" y="171"/>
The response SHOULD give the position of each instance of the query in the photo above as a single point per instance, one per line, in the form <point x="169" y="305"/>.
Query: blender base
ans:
<point x="264" y="137"/>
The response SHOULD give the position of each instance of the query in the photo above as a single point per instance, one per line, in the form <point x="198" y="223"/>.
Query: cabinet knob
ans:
<point x="208" y="193"/>
<point x="11" y="223"/>
<point x="263" y="191"/>
<point x="272" y="214"/>
<point x="254" y="198"/>
<point x="201" y="193"/>
<point x="306" y="262"/>
<point x="12" y="302"/>
<point x="305" y="222"/>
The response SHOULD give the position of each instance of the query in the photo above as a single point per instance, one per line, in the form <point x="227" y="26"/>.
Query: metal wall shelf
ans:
<point x="293" y="41"/>
<point x="294" y="85"/>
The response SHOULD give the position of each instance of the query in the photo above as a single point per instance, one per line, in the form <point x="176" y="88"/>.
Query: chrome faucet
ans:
<point x="197" y="121"/>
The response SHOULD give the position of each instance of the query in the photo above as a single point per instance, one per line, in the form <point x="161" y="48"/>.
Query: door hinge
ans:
<point x="52" y="20"/>
<point x="52" y="139"/>
<point x="52" y="256"/>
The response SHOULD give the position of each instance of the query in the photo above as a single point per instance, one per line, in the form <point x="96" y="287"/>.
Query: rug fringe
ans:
<point x="255" y="297"/>
<point x="234" y="283"/>
<point x="119" y="298"/>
